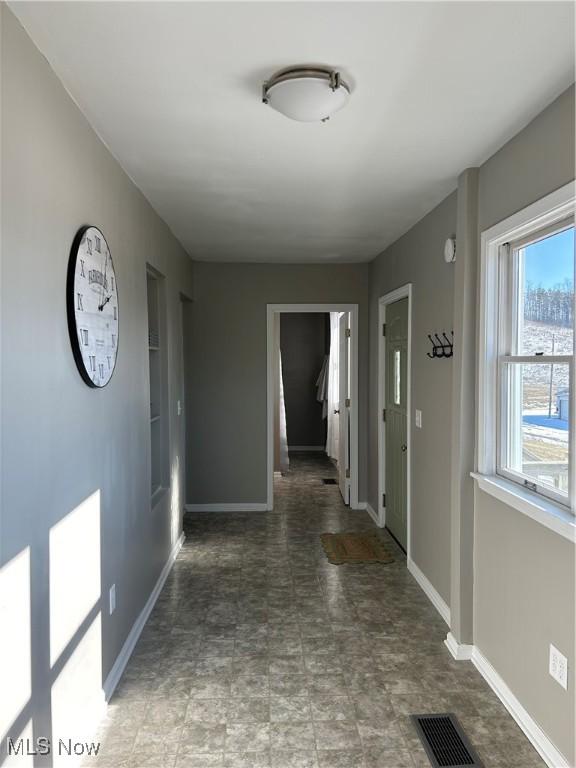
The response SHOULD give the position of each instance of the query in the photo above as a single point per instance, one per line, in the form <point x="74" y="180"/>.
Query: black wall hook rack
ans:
<point x="442" y="347"/>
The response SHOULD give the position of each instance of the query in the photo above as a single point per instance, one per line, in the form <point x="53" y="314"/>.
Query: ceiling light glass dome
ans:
<point x="306" y="94"/>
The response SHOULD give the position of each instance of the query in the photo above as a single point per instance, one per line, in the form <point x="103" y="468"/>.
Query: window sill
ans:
<point x="543" y="511"/>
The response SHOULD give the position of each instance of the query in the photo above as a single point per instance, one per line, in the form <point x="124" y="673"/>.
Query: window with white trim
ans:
<point x="527" y="363"/>
<point x="536" y="349"/>
<point x="526" y="398"/>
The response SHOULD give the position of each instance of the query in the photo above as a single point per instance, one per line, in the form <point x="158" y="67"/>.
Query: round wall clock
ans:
<point x="92" y="302"/>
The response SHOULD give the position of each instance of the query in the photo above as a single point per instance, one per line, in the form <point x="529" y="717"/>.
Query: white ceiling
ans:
<point x="174" y="91"/>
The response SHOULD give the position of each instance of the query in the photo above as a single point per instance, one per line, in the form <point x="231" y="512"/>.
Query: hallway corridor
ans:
<point x="260" y="653"/>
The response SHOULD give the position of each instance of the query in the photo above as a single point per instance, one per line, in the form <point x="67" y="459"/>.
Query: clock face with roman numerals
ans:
<point x="92" y="297"/>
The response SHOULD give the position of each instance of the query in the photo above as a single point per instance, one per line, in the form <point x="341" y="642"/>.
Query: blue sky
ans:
<point x="551" y="261"/>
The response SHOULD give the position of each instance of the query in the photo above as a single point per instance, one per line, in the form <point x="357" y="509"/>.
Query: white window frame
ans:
<point x="495" y="291"/>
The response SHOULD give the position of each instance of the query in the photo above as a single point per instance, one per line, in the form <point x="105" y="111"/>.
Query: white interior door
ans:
<point x="344" y="408"/>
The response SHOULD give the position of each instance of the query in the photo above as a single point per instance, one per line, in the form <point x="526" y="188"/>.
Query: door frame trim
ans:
<point x="271" y="310"/>
<point x="404" y="292"/>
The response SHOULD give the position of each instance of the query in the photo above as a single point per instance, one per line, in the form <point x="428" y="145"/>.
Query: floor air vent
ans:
<point x="329" y="481"/>
<point x="445" y="742"/>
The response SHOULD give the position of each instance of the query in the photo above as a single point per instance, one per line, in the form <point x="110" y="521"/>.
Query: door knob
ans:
<point x="336" y="410"/>
<point x="404" y="448"/>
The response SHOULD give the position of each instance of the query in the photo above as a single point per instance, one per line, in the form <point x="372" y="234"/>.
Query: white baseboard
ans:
<point x="368" y="507"/>
<point x="256" y="507"/>
<point x="364" y="506"/>
<point x="120" y="664"/>
<point x="373" y="514"/>
<point x="459" y="651"/>
<point x="306" y="447"/>
<point x="541" y="743"/>
<point x="430" y="591"/>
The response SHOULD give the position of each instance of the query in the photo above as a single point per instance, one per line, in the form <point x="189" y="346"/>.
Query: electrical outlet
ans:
<point x="112" y="596"/>
<point x="419" y="419"/>
<point x="558" y="667"/>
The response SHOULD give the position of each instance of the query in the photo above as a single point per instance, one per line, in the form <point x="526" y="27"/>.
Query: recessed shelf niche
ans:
<point x="158" y="382"/>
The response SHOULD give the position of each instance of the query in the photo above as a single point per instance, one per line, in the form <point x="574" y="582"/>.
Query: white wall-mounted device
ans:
<point x="450" y="250"/>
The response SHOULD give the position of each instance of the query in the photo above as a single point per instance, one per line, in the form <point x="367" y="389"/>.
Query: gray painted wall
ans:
<point x="62" y="441"/>
<point x="535" y="162"/>
<point x="417" y="258"/>
<point x="524" y="573"/>
<point x="303" y="345"/>
<point x="226" y="394"/>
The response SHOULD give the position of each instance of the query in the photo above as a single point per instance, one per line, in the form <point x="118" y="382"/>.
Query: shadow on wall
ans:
<point x="56" y="662"/>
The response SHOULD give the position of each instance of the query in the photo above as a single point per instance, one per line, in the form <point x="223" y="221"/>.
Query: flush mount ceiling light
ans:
<point x="306" y="94"/>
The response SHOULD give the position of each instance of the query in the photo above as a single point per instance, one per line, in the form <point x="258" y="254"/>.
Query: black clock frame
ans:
<point x="71" y="311"/>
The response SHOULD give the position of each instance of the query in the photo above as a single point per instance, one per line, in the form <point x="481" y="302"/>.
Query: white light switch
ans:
<point x="419" y="419"/>
<point x="558" y="667"/>
<point x="179" y="407"/>
<point x="112" y="598"/>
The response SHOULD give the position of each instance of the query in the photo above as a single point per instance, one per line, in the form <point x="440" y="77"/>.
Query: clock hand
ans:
<point x="106" y="300"/>
<point x="104" y="280"/>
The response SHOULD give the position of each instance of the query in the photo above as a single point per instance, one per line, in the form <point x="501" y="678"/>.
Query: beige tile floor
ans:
<point x="261" y="653"/>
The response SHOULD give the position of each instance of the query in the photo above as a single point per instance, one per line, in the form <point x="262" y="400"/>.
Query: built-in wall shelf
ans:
<point x="157" y="359"/>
